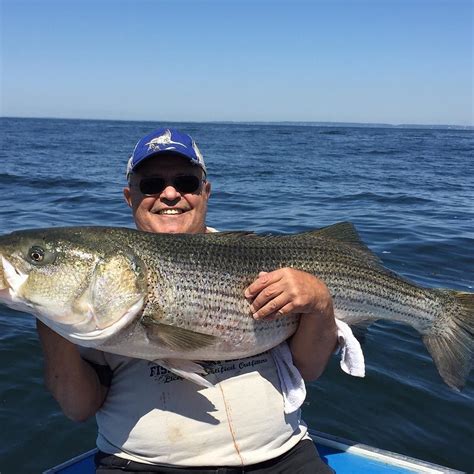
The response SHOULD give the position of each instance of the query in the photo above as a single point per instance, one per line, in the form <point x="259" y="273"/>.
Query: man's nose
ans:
<point x="170" y="193"/>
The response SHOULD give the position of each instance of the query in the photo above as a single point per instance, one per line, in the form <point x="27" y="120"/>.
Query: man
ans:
<point x="151" y="420"/>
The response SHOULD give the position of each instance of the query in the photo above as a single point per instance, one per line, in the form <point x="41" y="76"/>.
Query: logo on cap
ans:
<point x="162" y="140"/>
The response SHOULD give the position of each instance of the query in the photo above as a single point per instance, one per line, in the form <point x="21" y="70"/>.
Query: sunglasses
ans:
<point x="184" y="184"/>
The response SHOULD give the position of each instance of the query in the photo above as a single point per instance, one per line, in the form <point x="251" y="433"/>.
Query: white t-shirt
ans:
<point x="151" y="415"/>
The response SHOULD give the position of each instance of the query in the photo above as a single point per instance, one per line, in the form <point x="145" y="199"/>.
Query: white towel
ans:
<point x="352" y="357"/>
<point x="292" y="384"/>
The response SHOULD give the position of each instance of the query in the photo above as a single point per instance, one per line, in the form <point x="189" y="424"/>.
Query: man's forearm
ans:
<point x="72" y="381"/>
<point x="313" y="343"/>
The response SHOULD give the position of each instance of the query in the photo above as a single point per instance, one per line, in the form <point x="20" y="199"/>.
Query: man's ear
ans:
<point x="207" y="189"/>
<point x="127" y="194"/>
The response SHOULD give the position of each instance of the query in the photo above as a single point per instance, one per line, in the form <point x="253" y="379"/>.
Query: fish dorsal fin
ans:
<point x="346" y="233"/>
<point x="342" y="231"/>
<point x="237" y="234"/>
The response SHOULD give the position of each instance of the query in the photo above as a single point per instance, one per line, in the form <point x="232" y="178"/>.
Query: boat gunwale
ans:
<point x="330" y="441"/>
<point x="71" y="462"/>
<point x="382" y="455"/>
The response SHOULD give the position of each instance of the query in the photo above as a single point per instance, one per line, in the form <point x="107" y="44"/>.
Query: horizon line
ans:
<point x="256" y="122"/>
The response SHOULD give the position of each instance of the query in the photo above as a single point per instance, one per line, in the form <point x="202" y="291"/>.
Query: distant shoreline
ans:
<point x="263" y="123"/>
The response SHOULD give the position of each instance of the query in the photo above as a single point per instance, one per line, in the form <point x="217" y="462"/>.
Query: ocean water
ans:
<point x="410" y="192"/>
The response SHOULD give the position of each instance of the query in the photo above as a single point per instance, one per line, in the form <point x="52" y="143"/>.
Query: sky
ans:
<point x="378" y="61"/>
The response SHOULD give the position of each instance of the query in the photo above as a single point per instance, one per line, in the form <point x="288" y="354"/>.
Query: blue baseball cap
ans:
<point x="165" y="140"/>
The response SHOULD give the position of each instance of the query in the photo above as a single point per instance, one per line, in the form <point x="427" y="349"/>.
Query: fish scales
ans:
<point x="199" y="271"/>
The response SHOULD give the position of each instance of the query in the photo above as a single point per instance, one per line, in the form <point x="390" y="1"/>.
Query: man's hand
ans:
<point x="288" y="291"/>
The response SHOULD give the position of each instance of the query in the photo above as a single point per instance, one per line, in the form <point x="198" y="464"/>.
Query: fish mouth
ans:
<point x="3" y="278"/>
<point x="3" y="282"/>
<point x="11" y="281"/>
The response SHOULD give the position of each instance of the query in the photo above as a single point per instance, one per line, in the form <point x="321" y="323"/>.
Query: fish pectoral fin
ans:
<point x="187" y="369"/>
<point x="177" y="338"/>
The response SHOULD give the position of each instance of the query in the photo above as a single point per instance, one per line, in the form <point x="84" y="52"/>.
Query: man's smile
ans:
<point x="169" y="212"/>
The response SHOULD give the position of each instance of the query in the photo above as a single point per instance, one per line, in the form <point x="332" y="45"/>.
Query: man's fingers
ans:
<point x="264" y="279"/>
<point x="274" y="306"/>
<point x="266" y="294"/>
<point x="281" y="313"/>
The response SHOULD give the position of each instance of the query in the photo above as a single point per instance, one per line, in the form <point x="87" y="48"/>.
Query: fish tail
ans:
<point x="451" y="342"/>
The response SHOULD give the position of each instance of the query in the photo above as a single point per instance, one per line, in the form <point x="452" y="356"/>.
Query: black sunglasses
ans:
<point x="184" y="184"/>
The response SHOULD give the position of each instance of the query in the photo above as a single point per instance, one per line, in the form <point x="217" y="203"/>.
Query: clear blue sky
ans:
<point x="390" y="61"/>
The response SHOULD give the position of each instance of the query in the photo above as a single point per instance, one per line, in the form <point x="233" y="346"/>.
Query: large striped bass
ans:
<point x="176" y="299"/>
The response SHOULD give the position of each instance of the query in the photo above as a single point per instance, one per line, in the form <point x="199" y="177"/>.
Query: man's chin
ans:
<point x="170" y="224"/>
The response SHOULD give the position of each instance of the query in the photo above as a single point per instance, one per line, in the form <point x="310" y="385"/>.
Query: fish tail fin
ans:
<point x="451" y="344"/>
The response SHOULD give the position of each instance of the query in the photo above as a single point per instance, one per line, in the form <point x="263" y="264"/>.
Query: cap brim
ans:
<point x="167" y="153"/>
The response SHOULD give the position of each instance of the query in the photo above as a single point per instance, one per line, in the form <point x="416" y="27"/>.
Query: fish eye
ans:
<point x="38" y="255"/>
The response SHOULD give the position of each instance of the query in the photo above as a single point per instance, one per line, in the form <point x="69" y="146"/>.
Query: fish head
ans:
<point x="79" y="282"/>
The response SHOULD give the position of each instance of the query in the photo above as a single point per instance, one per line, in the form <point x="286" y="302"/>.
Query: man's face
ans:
<point x="169" y="211"/>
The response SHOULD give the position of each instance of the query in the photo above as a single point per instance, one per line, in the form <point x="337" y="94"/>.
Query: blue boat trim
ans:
<point x="343" y="455"/>
<point x="406" y="463"/>
<point x="81" y="464"/>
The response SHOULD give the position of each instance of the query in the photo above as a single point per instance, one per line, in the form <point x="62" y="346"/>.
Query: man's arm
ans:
<point x="72" y="381"/>
<point x="288" y="291"/>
